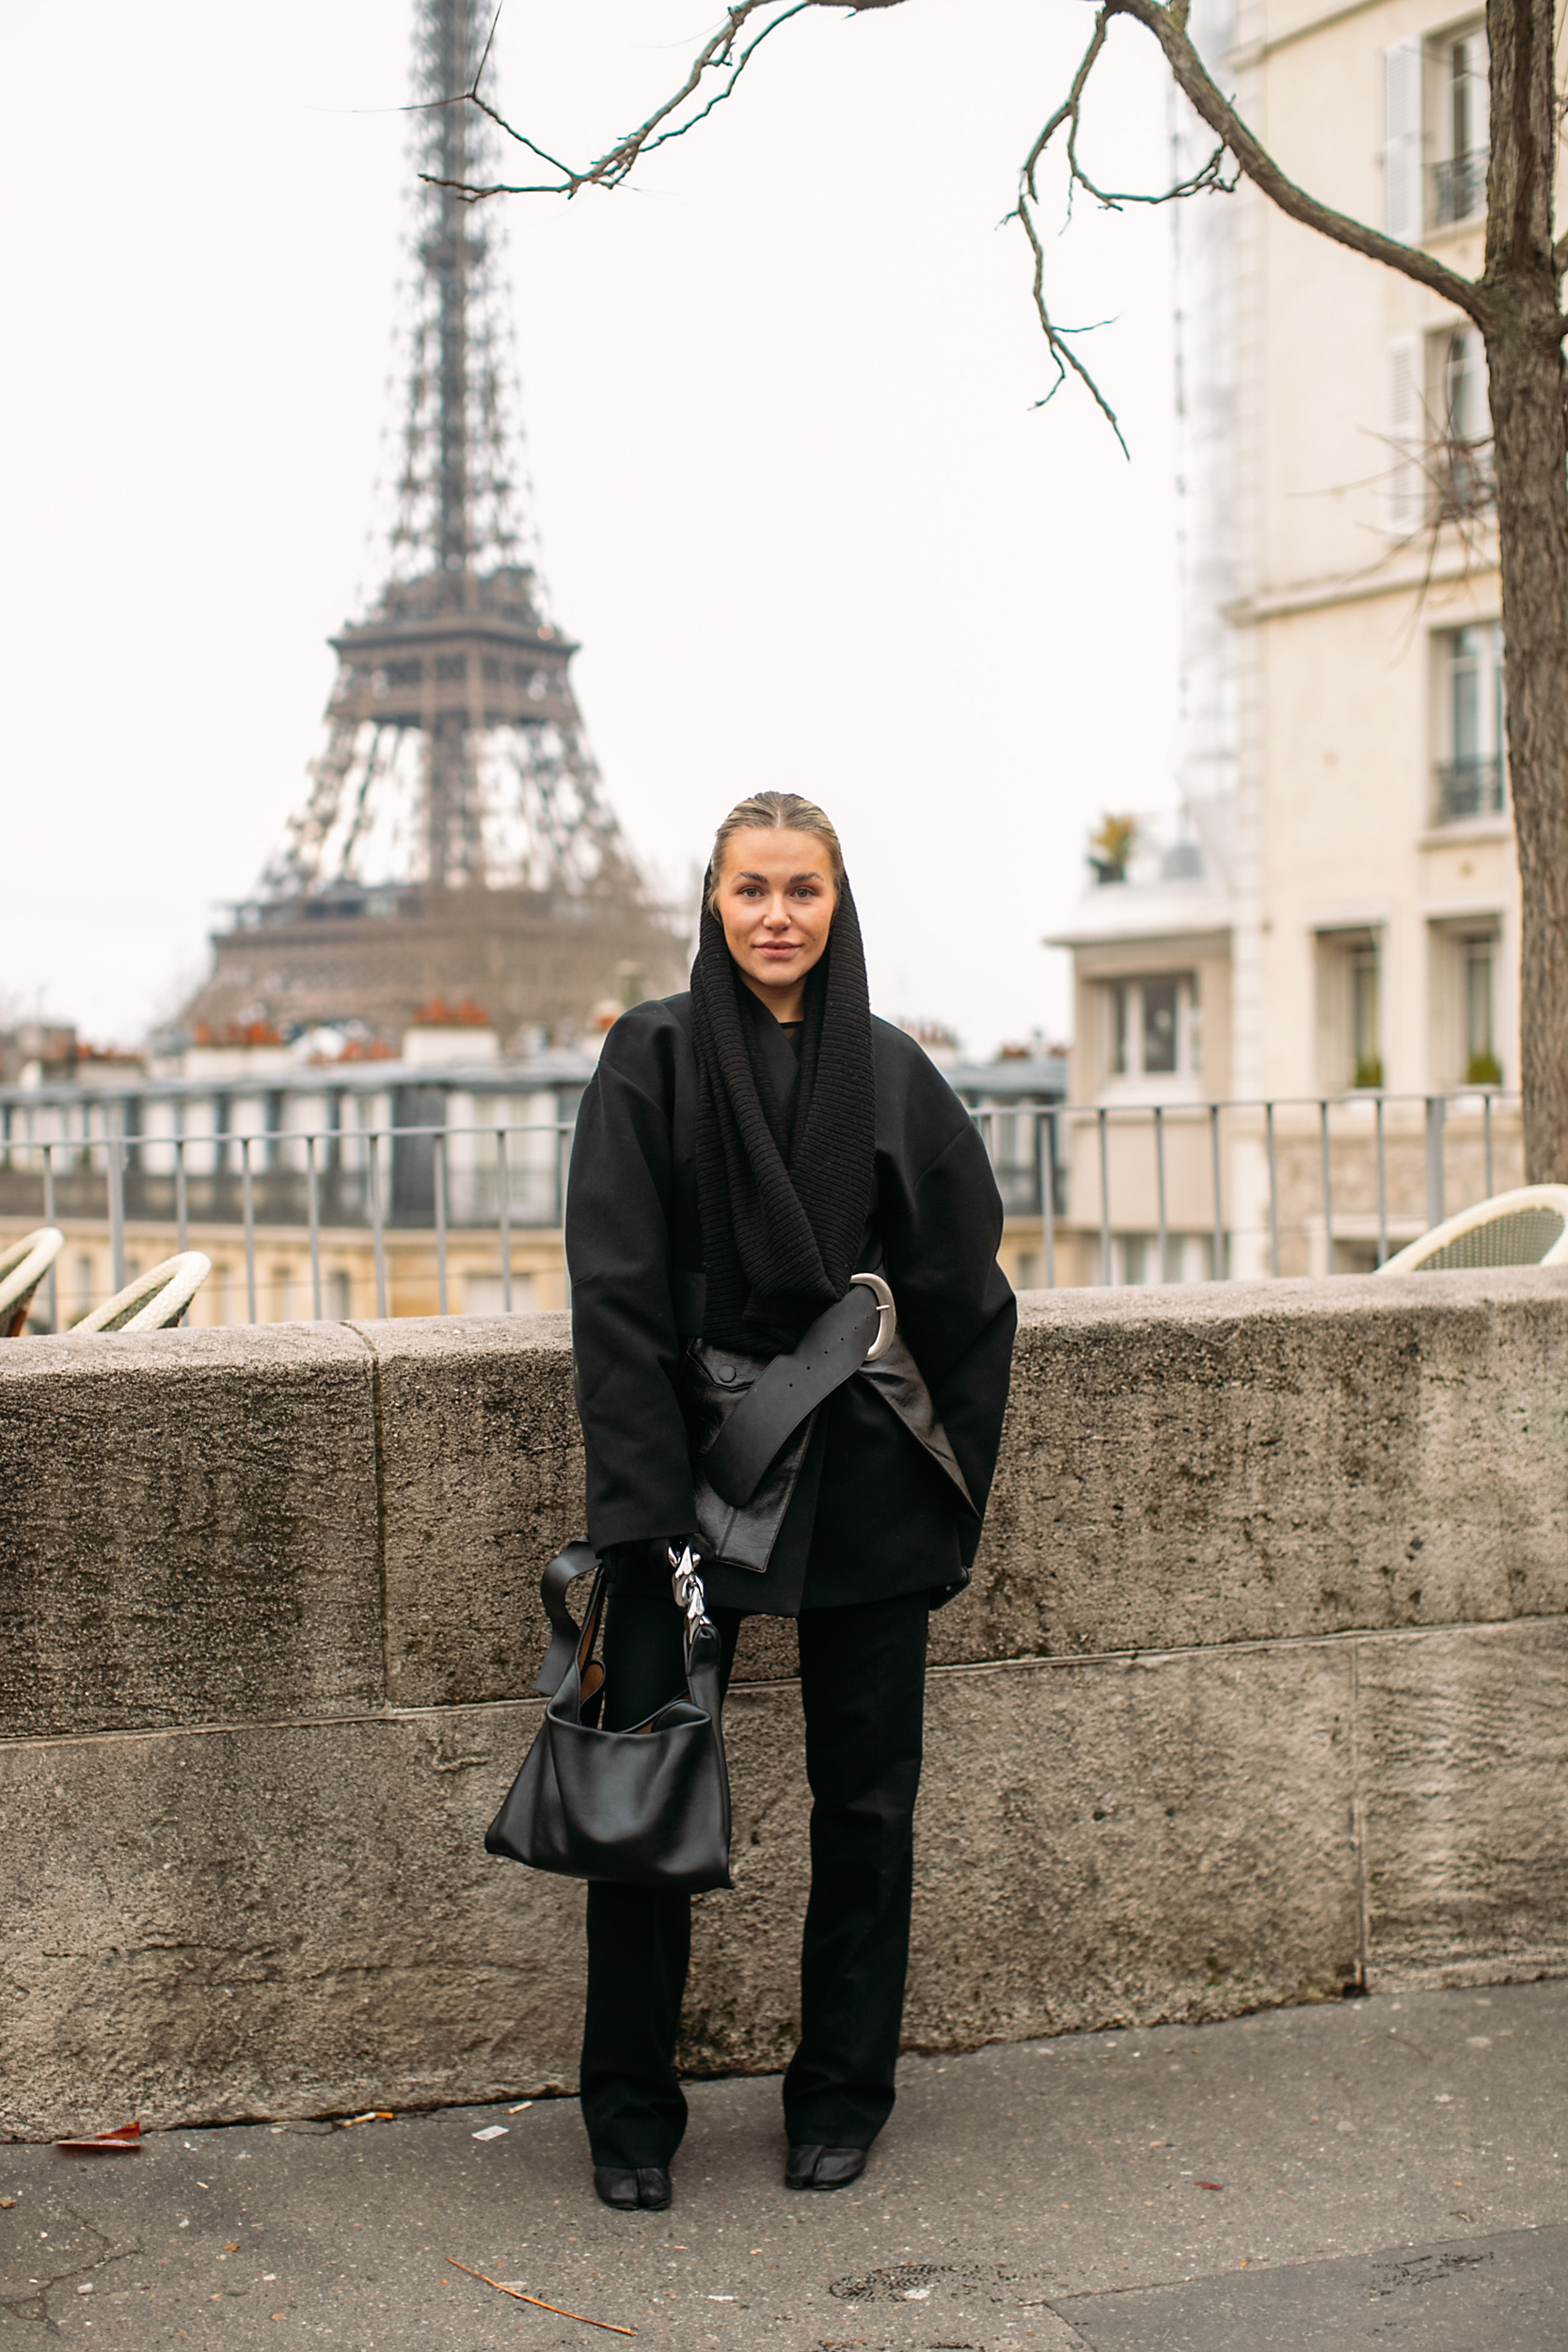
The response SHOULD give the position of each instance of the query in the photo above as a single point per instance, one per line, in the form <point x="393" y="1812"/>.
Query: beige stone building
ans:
<point x="1334" y="915"/>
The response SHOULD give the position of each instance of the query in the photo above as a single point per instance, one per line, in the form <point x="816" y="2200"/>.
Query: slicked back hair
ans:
<point x="773" y="812"/>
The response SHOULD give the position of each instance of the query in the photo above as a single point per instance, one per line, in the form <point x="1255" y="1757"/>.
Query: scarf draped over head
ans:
<point x="783" y="1193"/>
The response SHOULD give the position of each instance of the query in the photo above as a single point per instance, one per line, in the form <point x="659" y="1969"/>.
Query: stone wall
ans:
<point x="1258" y="1697"/>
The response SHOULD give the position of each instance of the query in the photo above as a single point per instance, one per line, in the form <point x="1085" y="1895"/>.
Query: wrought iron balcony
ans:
<point x="1462" y="479"/>
<point x="1469" y="787"/>
<point x="1459" y="188"/>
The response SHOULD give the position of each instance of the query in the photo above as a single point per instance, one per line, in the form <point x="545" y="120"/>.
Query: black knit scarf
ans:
<point x="784" y="1194"/>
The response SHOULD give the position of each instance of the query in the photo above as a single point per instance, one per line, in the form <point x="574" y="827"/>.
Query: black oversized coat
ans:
<point x="873" y="1515"/>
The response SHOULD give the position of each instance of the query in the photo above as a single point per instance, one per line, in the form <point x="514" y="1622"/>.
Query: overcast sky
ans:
<point x="794" y="493"/>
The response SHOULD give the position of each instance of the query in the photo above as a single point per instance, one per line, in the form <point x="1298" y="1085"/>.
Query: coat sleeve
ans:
<point x="956" y="1306"/>
<point x="619" y="1210"/>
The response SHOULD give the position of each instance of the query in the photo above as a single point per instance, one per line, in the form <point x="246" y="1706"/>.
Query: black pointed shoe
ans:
<point x="648" y="2187"/>
<point x="824" y="2168"/>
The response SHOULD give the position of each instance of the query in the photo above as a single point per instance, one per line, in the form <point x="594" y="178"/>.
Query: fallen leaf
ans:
<point x="123" y="2136"/>
<point x="1208" y="2183"/>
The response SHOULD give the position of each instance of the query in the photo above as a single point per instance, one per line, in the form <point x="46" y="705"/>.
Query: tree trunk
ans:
<point x="1524" y="353"/>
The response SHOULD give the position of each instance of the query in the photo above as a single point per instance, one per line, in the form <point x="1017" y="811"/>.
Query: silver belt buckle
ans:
<point x="887" y="1316"/>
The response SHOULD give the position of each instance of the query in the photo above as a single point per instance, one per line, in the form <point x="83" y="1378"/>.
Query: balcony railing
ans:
<point x="1459" y="188"/>
<point x="1203" y="1190"/>
<point x="1463" y="478"/>
<point x="1469" y="787"/>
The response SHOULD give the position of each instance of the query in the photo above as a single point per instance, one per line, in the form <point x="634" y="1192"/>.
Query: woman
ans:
<point x="741" y="1153"/>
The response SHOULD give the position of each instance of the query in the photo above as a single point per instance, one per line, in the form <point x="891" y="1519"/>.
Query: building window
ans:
<point x="1435" y="129"/>
<point x="83" y="1298"/>
<point x="1135" y="1258"/>
<point x="1366" y="1024"/>
<point x="1481" y="1066"/>
<point x="1153" y="1026"/>
<point x="1464" y="971"/>
<point x="1459" y="465"/>
<point x="1457" y="78"/>
<point x="1350" y="1010"/>
<point x="1471" y="772"/>
<point x="337" y="1294"/>
<point x="483" y="1294"/>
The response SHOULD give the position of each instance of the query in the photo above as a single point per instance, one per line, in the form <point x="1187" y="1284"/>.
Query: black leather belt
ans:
<point x="856" y="1331"/>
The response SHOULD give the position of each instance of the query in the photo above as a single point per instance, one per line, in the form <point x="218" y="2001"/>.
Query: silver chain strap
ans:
<point x="687" y="1586"/>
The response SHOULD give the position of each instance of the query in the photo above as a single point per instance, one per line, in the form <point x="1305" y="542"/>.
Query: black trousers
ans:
<point x="863" y="1685"/>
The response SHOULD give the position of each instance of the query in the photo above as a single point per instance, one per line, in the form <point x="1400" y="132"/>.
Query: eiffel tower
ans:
<point x="455" y="840"/>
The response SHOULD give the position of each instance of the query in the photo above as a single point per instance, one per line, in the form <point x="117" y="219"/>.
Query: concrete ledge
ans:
<point x="300" y="1918"/>
<point x="201" y="1525"/>
<point x="1258" y="1697"/>
<point x="482" y="1482"/>
<point x="1245" y="1461"/>
<point x="188" y="1528"/>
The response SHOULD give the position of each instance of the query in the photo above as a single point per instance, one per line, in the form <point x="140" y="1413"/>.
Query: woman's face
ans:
<point x="776" y="900"/>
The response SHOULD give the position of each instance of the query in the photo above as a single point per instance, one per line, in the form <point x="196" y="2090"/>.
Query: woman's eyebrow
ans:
<point x="745" y="876"/>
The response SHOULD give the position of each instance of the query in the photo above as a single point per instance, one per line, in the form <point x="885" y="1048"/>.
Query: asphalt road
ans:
<point x="1382" y="2173"/>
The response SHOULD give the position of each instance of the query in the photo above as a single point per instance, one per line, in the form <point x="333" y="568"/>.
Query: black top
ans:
<point x="883" y="1518"/>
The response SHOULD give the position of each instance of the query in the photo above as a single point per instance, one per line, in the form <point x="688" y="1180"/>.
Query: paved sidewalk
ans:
<point x="1383" y="2172"/>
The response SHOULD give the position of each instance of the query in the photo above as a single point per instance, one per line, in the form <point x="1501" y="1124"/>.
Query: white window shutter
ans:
<point x="1403" y="66"/>
<point x="1406" y="474"/>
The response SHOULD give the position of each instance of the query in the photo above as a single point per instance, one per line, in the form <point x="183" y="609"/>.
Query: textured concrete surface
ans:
<point x="1506" y="2294"/>
<point x="481" y="1484"/>
<point x="1215" y="1462"/>
<point x="1464" y="1746"/>
<point x="1246" y="1461"/>
<point x="1153" y="1838"/>
<point x="188" y="1529"/>
<point x="289" y="1919"/>
<point x="196" y="1523"/>
<point x="1134" y="2190"/>
<point x="259" y="1920"/>
<point x="268" y="1615"/>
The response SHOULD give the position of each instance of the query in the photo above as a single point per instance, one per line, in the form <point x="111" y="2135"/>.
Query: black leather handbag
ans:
<point x="644" y="1807"/>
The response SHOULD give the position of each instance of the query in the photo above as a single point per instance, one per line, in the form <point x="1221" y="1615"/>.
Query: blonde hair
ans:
<point x="773" y="812"/>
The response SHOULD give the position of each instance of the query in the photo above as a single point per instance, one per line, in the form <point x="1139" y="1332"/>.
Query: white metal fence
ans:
<point x="1102" y="1192"/>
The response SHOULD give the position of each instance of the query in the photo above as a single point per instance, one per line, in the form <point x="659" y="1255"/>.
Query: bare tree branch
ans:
<point x="1210" y="175"/>
<point x="1203" y="94"/>
<point x="726" y="54"/>
<point x="1061" y="350"/>
<point x="719" y="55"/>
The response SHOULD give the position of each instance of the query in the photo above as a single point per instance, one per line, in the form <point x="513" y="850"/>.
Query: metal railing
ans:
<point x="1366" y="1171"/>
<point x="446" y="1181"/>
<point x="1469" y="787"/>
<point x="1459" y="187"/>
<point x="1263" y="1187"/>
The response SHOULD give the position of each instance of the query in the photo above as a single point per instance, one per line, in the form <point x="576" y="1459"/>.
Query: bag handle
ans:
<point x="579" y="1558"/>
<point x="573" y="1559"/>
